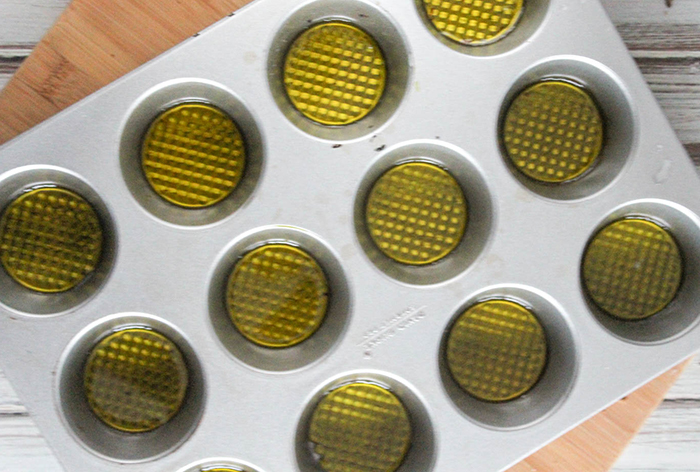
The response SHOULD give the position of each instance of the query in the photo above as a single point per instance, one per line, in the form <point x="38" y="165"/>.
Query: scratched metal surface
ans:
<point x="387" y="338"/>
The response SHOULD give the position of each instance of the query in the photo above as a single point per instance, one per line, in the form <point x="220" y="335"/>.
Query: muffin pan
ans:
<point x="317" y="224"/>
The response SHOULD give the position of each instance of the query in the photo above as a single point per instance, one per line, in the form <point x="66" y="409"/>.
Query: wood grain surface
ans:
<point x="97" y="41"/>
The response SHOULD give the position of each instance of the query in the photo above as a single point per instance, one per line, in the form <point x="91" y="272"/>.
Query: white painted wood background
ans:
<point x="664" y="40"/>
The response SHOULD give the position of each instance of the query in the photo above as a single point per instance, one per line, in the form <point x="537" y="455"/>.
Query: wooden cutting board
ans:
<point x="97" y="41"/>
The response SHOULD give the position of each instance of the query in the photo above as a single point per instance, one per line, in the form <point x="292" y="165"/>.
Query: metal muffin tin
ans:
<point x="166" y="267"/>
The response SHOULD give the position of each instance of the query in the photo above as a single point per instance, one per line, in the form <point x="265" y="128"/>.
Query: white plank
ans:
<point x="11" y="57"/>
<point x="653" y="11"/>
<point x="688" y="387"/>
<point x="26" y="21"/>
<point x="670" y="439"/>
<point x="22" y="448"/>
<point x="22" y="24"/>
<point x="668" y="442"/>
<point x="10" y="405"/>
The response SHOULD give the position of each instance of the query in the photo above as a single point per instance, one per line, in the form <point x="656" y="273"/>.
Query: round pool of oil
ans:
<point x="416" y="213"/>
<point x="496" y="350"/>
<point x="193" y="155"/>
<point x="361" y="427"/>
<point x="632" y="268"/>
<point x="474" y="22"/>
<point x="553" y="131"/>
<point x="50" y="239"/>
<point x="277" y="295"/>
<point x="135" y="380"/>
<point x="335" y="73"/>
